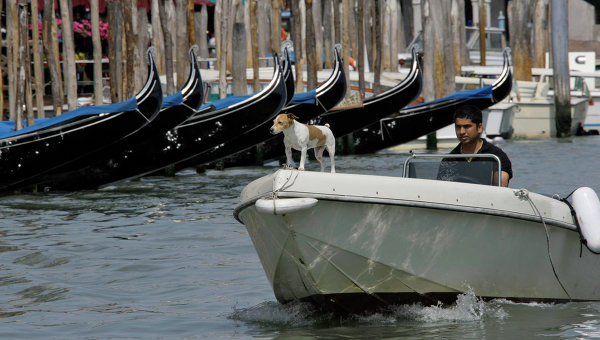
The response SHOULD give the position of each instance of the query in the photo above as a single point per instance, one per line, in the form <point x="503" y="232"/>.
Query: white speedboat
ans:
<point x="349" y="242"/>
<point x="533" y="113"/>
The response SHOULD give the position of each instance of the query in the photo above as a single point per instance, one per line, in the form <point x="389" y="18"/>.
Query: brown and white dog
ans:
<point x="303" y="137"/>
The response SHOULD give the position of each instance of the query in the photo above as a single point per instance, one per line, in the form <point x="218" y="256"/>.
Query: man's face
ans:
<point x="467" y="131"/>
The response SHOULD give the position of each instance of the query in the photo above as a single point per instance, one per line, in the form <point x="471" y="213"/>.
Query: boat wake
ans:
<point x="296" y="314"/>
<point x="467" y="307"/>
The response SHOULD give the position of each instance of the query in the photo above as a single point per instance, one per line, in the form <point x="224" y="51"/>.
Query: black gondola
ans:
<point x="305" y="105"/>
<point x="213" y="124"/>
<point x="105" y="166"/>
<point x="345" y="121"/>
<point x="50" y="143"/>
<point x="416" y="121"/>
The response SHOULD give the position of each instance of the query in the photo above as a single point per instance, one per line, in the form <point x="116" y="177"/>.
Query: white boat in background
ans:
<point x="500" y="119"/>
<point x="584" y="93"/>
<point x="583" y="86"/>
<point x="534" y="115"/>
<point x="350" y="243"/>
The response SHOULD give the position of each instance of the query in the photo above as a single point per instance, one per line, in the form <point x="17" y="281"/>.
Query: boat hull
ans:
<point x="401" y="240"/>
<point x="536" y="118"/>
<point x="29" y="158"/>
<point x="108" y="165"/>
<point x="592" y="119"/>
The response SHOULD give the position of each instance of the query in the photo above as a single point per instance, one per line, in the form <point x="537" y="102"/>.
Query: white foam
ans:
<point x="466" y="308"/>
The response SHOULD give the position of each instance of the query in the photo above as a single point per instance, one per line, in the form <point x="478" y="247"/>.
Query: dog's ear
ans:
<point x="292" y="116"/>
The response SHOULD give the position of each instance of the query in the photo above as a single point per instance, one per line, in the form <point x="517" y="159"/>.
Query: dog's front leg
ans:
<point x="302" y="158"/>
<point x="288" y="155"/>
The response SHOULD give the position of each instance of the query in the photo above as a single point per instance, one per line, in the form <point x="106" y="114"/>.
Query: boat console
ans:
<point x="467" y="168"/>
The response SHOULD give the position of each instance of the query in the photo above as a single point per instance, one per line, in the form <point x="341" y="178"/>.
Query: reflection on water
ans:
<point x="164" y="258"/>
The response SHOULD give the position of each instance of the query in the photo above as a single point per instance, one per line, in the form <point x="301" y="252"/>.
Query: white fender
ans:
<point x="587" y="207"/>
<point x="282" y="206"/>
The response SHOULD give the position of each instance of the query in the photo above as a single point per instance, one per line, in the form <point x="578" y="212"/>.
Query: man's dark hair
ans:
<point x="469" y="112"/>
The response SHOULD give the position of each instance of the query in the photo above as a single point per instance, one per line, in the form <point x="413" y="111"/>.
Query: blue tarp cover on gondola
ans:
<point x="225" y="102"/>
<point x="7" y="127"/>
<point x="309" y="97"/>
<point x="172" y="100"/>
<point x="299" y="98"/>
<point x="484" y="92"/>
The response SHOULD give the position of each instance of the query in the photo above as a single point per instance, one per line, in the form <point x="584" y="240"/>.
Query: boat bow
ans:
<point x="373" y="241"/>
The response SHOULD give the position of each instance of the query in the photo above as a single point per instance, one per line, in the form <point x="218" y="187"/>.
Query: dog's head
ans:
<point x="282" y="122"/>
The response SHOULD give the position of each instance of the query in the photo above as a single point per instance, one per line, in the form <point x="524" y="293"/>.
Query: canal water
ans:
<point x="163" y="258"/>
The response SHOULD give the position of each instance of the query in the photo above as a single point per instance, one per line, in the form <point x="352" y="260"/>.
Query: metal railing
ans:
<point x="465" y="157"/>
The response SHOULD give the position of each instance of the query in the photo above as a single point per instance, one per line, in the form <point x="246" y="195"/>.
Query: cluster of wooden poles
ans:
<point x="373" y="32"/>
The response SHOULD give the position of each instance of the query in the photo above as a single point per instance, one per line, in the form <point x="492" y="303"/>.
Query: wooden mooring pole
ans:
<point x="560" y="63"/>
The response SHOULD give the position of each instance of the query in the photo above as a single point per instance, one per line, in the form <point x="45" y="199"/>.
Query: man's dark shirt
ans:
<point x="449" y="169"/>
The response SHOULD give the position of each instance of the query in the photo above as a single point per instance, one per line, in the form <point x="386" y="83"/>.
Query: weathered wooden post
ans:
<point x="157" y="36"/>
<point x="238" y="72"/>
<point x="181" y="42"/>
<point x="541" y="32"/>
<point x="25" y="60"/>
<point x="447" y="71"/>
<point x="378" y="47"/>
<point x="438" y="68"/>
<point x="360" y="58"/>
<point x="68" y="48"/>
<point x="191" y="24"/>
<point x="346" y="40"/>
<point x="115" y="48"/>
<point x="297" y="39"/>
<point x="311" y="49"/>
<point x="328" y="36"/>
<point x="254" y="45"/>
<point x="129" y="49"/>
<point x="97" y="50"/>
<point x="560" y="63"/>
<point x="21" y="41"/>
<point x="372" y="32"/>
<point x="140" y="24"/>
<point x="457" y="14"/>
<point x="317" y="14"/>
<point x="12" y="40"/>
<point x="395" y="32"/>
<point x="482" y="35"/>
<point x="202" y="22"/>
<point x="50" y="35"/>
<point x="428" y="91"/>
<point x="222" y="49"/>
<point x="520" y="15"/>
<point x="337" y="22"/>
<point x="37" y="60"/>
<point x="164" y="19"/>
<point x="275" y="27"/>
<point x="263" y="15"/>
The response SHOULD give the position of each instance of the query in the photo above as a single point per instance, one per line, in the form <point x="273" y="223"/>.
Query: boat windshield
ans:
<point x="467" y="168"/>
